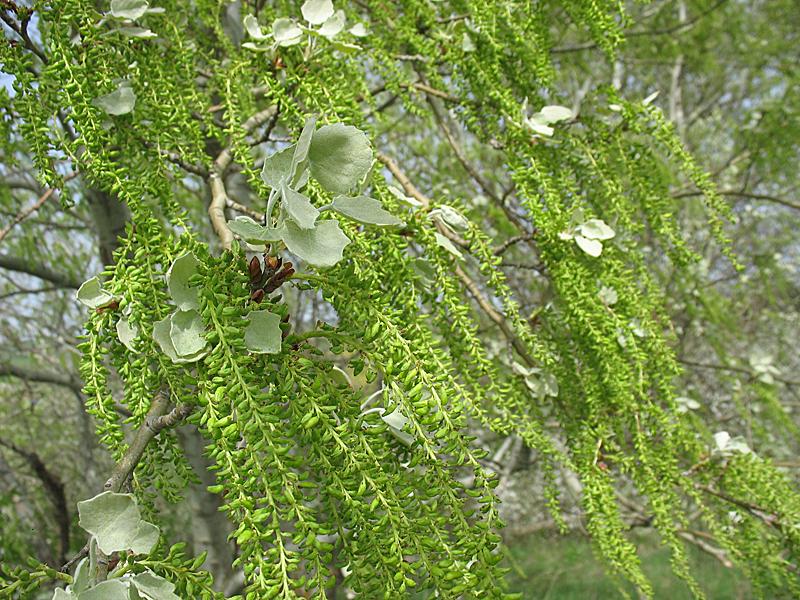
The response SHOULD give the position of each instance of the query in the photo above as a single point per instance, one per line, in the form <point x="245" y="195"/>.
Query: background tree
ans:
<point x="532" y="273"/>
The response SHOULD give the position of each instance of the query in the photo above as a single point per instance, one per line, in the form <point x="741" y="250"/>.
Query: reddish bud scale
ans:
<point x="255" y="269"/>
<point x="257" y="296"/>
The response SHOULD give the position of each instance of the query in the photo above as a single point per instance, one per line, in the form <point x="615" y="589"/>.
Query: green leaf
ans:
<point x="301" y="148"/>
<point x="113" y="519"/>
<point x="145" y="539"/>
<point x="554" y="114"/>
<point x="299" y="208"/>
<point x="340" y="157"/>
<point x="365" y="209"/>
<point x="119" y="102"/>
<point x="253" y="28"/>
<point x="136" y="32"/>
<point x="162" y="335"/>
<point x="80" y="581"/>
<point x="608" y="295"/>
<point x="448" y="245"/>
<point x="186" y="332"/>
<point x="451" y="216"/>
<point x="322" y="246"/>
<point x="178" y="274"/>
<point x="92" y="294"/>
<point x="62" y="594"/>
<point x="317" y="11"/>
<point x="396" y="421"/>
<point x="128" y="9"/>
<point x="127" y="333"/>
<point x="358" y="30"/>
<point x="112" y="589"/>
<point x="278" y="167"/>
<point x="252" y="232"/>
<point x="263" y="333"/>
<point x="286" y="32"/>
<point x="154" y="587"/>
<point x="590" y="246"/>
<point x="334" y="25"/>
<point x="596" y="229"/>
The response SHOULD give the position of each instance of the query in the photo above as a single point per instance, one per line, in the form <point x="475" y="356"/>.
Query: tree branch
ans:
<point x="14" y="263"/>
<point x="54" y="488"/>
<point x="40" y="376"/>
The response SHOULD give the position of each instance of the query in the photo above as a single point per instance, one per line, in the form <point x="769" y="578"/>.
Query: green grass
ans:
<point x="553" y="567"/>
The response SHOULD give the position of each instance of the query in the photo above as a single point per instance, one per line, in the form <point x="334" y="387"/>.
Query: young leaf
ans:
<point x="263" y="333"/>
<point x="253" y="28"/>
<point x="112" y="589"/>
<point x="554" y="114"/>
<point x="322" y="246"/>
<point x="62" y="594"/>
<point x="80" y="581"/>
<point x="340" y="155"/>
<point x="92" y="294"/>
<point x="277" y="167"/>
<point x="591" y="247"/>
<point x="127" y="333"/>
<point x="448" y="245"/>
<point x="608" y="295"/>
<point x="451" y="216"/>
<point x="253" y="233"/>
<point x="299" y="208"/>
<point x="128" y="9"/>
<point x="396" y="421"/>
<point x="334" y="25"/>
<point x="178" y="275"/>
<point x="154" y="587"/>
<point x="119" y="102"/>
<point x="365" y="209"/>
<point x="358" y="30"/>
<point x="317" y="12"/>
<point x="300" y="155"/>
<point x="161" y="334"/>
<point x="145" y="539"/>
<point x="596" y="229"/>
<point x="286" y="32"/>
<point x="113" y="519"/>
<point x="186" y="331"/>
<point x="136" y="32"/>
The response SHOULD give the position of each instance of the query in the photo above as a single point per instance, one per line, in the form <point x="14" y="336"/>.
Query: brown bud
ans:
<point x="257" y="296"/>
<point x="113" y="305"/>
<point x="273" y="262"/>
<point x="255" y="269"/>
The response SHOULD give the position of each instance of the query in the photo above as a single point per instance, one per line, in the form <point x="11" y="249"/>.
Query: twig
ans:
<point x="154" y="422"/>
<point x="743" y="194"/>
<point x="468" y="282"/>
<point x="733" y="369"/>
<point x="511" y="241"/>
<point x="25" y="213"/>
<point x="219" y="197"/>
<point x="246" y="210"/>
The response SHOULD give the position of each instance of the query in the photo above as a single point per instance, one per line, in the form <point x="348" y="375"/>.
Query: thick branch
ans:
<point x="40" y="376"/>
<point x="29" y="267"/>
<point x="155" y="421"/>
<point x="55" y="490"/>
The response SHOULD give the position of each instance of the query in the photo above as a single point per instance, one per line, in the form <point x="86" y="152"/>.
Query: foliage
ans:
<point x="344" y="448"/>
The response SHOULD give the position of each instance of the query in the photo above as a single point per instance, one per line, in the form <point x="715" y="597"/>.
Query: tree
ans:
<point x="310" y="287"/>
